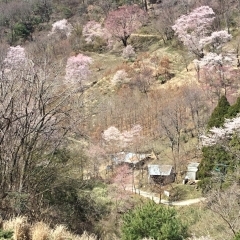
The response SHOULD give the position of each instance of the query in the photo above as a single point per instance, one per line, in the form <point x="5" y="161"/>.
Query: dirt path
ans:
<point x="163" y="201"/>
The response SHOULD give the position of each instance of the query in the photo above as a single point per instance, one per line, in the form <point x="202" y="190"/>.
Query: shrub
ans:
<point x="218" y="115"/>
<point x="5" y="234"/>
<point x="152" y="220"/>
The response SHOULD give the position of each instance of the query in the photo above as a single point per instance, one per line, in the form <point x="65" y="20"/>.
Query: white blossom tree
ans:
<point x="61" y="26"/>
<point x="194" y="31"/>
<point x="215" y="135"/>
<point x="116" y="138"/>
<point x="77" y="69"/>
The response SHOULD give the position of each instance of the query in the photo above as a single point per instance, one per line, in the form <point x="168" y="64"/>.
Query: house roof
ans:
<point x="193" y="164"/>
<point x="159" y="170"/>
<point x="192" y="167"/>
<point x="129" y="157"/>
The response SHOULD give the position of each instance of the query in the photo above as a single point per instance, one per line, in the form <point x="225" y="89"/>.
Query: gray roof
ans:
<point x="193" y="164"/>
<point x="159" y="170"/>
<point x="193" y="167"/>
<point x="129" y="157"/>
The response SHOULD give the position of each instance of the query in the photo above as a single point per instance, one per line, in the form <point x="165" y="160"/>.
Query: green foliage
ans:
<point x="234" y="109"/>
<point x="215" y="159"/>
<point x="218" y="115"/>
<point x="237" y="236"/>
<point x="5" y="234"/>
<point x="152" y="220"/>
<point x="177" y="194"/>
<point x="67" y="12"/>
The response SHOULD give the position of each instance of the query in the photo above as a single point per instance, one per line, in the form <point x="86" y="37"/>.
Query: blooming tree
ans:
<point x="193" y="27"/>
<point x="92" y="30"/>
<point x="216" y="39"/>
<point x="123" y="176"/>
<point x="215" y="134"/>
<point x="217" y="74"/>
<point x="121" y="23"/>
<point x="119" y="77"/>
<point x="77" y="69"/>
<point x="15" y="59"/>
<point x="128" y="52"/>
<point x="122" y="139"/>
<point x="195" y="33"/>
<point x="63" y="26"/>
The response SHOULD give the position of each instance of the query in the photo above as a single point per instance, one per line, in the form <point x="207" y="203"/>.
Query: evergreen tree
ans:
<point x="234" y="109"/>
<point x="215" y="159"/>
<point x="152" y="220"/>
<point x="219" y="113"/>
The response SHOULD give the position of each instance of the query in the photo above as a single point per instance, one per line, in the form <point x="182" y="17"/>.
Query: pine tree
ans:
<point x="152" y="220"/>
<point x="234" y="109"/>
<point x="219" y="113"/>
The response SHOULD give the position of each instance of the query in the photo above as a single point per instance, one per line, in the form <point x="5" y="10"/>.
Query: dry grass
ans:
<point x="40" y="231"/>
<point x="22" y="230"/>
<point x="19" y="226"/>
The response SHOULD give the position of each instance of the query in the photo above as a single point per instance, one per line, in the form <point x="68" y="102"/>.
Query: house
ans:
<point x="161" y="174"/>
<point x="135" y="160"/>
<point x="192" y="169"/>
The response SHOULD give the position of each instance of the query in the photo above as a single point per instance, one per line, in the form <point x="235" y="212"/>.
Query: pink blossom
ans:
<point x="121" y="23"/>
<point x="123" y="176"/>
<point x="193" y="27"/>
<point x="112" y="134"/>
<point x="77" y="68"/>
<point x="122" y="139"/>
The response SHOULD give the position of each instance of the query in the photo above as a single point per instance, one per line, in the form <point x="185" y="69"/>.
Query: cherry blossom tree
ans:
<point x="114" y="137"/>
<point x="119" y="77"/>
<point x="92" y="30"/>
<point x="215" y="135"/>
<point x="194" y="30"/>
<point x="123" y="176"/>
<point x="128" y="52"/>
<point x="121" y="23"/>
<point x="16" y="59"/>
<point x="77" y="69"/>
<point x="216" y="40"/>
<point x="217" y="74"/>
<point x="61" y="26"/>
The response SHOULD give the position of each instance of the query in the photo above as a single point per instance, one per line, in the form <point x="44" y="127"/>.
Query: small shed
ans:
<point x="136" y="160"/>
<point x="161" y="174"/>
<point x="192" y="169"/>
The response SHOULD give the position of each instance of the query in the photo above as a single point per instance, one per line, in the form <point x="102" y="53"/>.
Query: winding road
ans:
<point x="163" y="201"/>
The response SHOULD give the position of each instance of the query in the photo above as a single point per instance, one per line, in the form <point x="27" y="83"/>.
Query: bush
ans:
<point x="5" y="234"/>
<point x="152" y="220"/>
<point x="177" y="194"/>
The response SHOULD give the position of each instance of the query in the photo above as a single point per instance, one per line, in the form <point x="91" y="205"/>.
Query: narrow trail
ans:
<point x="163" y="201"/>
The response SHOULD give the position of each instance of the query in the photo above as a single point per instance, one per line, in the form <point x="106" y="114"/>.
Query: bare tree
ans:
<point x="171" y="123"/>
<point x="226" y="205"/>
<point x="33" y="123"/>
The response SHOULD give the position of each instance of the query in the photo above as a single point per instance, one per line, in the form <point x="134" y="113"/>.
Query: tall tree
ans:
<point x="121" y="23"/>
<point x="32" y="127"/>
<point x="218" y="115"/>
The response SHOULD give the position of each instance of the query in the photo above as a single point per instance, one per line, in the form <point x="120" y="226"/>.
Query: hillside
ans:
<point x="83" y="82"/>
